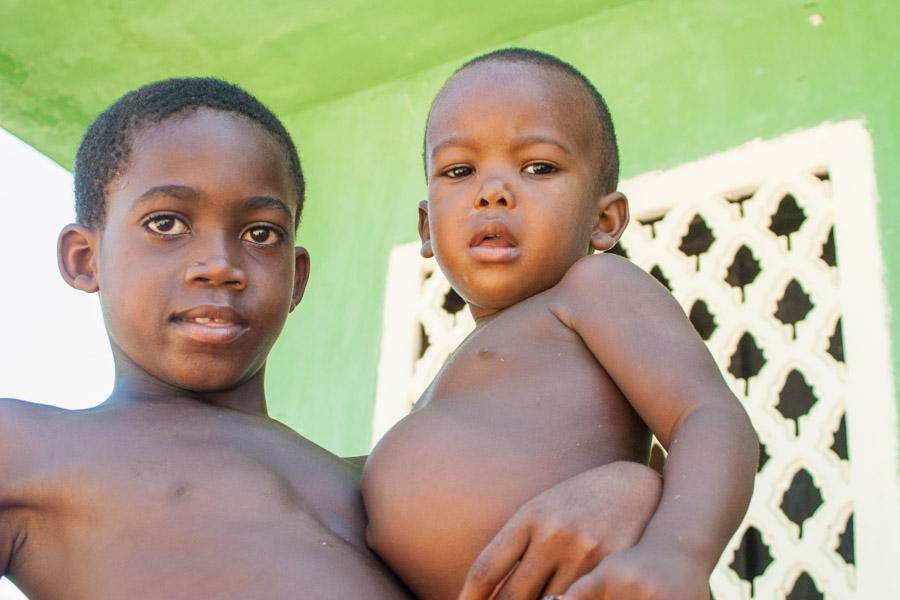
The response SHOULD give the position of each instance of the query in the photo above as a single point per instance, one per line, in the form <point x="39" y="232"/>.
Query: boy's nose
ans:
<point x="216" y="270"/>
<point x="494" y="192"/>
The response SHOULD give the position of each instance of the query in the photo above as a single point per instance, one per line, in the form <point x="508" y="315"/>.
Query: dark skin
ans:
<point x="179" y="485"/>
<point x="571" y="356"/>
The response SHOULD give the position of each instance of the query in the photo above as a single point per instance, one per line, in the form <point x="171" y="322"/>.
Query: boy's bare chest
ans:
<point x="190" y="503"/>
<point x="178" y="475"/>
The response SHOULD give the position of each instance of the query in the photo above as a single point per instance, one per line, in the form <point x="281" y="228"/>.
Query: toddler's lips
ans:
<point x="494" y="243"/>
<point x="211" y="324"/>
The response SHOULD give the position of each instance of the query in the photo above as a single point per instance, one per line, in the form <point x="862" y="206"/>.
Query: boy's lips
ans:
<point x="493" y="242"/>
<point x="210" y="324"/>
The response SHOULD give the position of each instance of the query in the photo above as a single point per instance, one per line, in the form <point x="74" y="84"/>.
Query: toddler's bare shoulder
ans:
<point x="606" y="275"/>
<point x="601" y="285"/>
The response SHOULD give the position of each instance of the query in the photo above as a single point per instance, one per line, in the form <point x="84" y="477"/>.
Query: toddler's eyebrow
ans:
<point x="518" y="142"/>
<point x="532" y="140"/>
<point x="451" y="141"/>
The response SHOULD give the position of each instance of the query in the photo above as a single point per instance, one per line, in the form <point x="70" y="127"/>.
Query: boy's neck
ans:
<point x="134" y="385"/>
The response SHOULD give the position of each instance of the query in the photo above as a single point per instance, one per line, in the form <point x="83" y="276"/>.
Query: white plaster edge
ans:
<point x="872" y="427"/>
<point x="398" y="339"/>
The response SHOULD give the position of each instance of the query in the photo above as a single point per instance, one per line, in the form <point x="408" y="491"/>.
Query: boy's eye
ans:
<point x="540" y="168"/>
<point x="457" y="172"/>
<point x="262" y="235"/>
<point x="167" y="225"/>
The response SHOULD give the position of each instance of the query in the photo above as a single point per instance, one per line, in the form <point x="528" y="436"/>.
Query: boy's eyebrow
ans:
<point x="185" y="192"/>
<point x="269" y="202"/>
<point x="182" y="192"/>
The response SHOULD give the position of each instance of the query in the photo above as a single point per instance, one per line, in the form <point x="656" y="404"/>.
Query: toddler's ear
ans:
<point x="301" y="275"/>
<point x="76" y="254"/>
<point x="612" y="218"/>
<point x="425" y="230"/>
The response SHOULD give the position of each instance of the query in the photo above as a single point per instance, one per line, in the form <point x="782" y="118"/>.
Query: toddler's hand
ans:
<point x="562" y="534"/>
<point x="643" y="573"/>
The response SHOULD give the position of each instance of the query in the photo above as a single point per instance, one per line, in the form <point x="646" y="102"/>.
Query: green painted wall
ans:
<point x="684" y="79"/>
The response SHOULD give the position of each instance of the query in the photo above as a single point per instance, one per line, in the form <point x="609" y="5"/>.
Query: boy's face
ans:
<point x="512" y="159"/>
<point x="195" y="262"/>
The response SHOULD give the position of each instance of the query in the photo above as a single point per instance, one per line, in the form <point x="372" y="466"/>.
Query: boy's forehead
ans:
<point x="206" y="142"/>
<point x="206" y="148"/>
<point x="514" y="88"/>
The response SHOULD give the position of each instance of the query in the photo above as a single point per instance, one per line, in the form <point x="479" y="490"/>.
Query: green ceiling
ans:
<point x="62" y="62"/>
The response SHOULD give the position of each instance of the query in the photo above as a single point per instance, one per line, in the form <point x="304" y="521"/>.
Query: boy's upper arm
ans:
<point x="643" y="340"/>
<point x="15" y="456"/>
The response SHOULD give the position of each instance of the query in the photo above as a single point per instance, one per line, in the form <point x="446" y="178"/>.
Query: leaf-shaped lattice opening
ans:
<point x="805" y="589"/>
<point x="618" y="250"/>
<point x="453" y="303"/>
<point x="739" y="197"/>
<point x="839" y="443"/>
<point x="651" y="223"/>
<point x="747" y="360"/>
<point x="836" y="343"/>
<point x="752" y="557"/>
<point x="845" y="546"/>
<point x="802" y="499"/>
<point x="793" y="306"/>
<point x="660" y="277"/>
<point x="787" y="219"/>
<point x="743" y="270"/>
<point x="697" y="240"/>
<point x="424" y="341"/>
<point x="702" y="319"/>
<point x="763" y="457"/>
<point x="829" y="256"/>
<point x="796" y="398"/>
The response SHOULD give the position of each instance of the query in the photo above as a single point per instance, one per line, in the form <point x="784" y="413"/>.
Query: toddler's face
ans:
<point x="512" y="181"/>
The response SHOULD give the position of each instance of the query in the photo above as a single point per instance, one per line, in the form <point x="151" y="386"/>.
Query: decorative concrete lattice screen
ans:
<point x="772" y="251"/>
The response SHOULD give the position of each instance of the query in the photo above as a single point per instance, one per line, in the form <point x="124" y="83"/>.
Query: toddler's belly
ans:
<point x="443" y="482"/>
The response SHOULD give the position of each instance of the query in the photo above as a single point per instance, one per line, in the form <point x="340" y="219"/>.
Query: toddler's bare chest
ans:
<point x="521" y="360"/>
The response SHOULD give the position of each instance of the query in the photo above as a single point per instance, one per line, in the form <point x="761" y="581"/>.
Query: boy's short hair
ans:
<point x="609" y="150"/>
<point x="107" y="143"/>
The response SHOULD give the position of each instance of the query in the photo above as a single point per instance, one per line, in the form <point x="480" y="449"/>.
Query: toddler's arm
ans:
<point x="644" y="341"/>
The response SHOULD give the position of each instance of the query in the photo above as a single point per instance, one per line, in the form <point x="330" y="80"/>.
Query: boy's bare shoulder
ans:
<point x="28" y="432"/>
<point x="20" y="418"/>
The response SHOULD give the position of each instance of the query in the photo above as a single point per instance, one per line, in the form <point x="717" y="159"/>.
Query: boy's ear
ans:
<point x="612" y="218"/>
<point x="301" y="275"/>
<point x="425" y="230"/>
<point x="76" y="255"/>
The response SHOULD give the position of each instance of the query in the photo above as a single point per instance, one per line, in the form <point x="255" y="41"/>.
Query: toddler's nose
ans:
<point x="494" y="192"/>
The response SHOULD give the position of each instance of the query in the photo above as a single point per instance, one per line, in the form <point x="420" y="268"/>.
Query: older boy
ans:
<point x="572" y="357"/>
<point x="179" y="485"/>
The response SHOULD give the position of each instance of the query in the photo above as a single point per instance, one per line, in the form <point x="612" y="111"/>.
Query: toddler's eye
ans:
<point x="457" y="172"/>
<point x="540" y="168"/>
<point x="262" y="235"/>
<point x="166" y="225"/>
